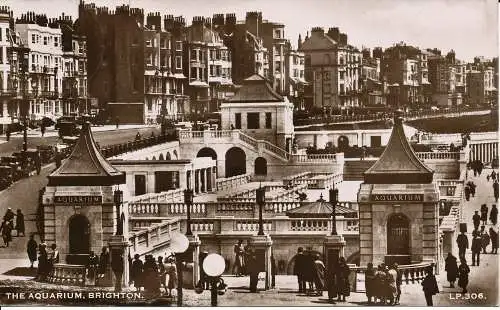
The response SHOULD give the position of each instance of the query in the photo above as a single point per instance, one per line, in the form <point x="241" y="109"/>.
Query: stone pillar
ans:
<point x="183" y="179"/>
<point x="196" y="182"/>
<point x="263" y="249"/>
<point x="150" y="182"/>
<point x="214" y="178"/>
<point x="203" y="181"/>
<point x="194" y="248"/>
<point x="333" y="248"/>
<point x="209" y="179"/>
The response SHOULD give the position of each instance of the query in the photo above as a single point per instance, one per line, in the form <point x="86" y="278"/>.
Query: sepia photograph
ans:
<point x="249" y="153"/>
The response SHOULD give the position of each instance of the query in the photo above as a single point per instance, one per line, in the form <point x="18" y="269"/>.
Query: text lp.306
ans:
<point x="467" y="296"/>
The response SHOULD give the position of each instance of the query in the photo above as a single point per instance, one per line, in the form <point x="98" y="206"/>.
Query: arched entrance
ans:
<point x="343" y="143"/>
<point x="235" y="162"/>
<point x="260" y="166"/>
<point x="79" y="235"/>
<point x="168" y="157"/>
<point x="398" y="235"/>
<point x="207" y="152"/>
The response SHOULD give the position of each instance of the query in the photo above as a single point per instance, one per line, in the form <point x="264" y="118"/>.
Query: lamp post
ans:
<point x="188" y="200"/>
<point x="118" y="199"/>
<point x="261" y="200"/>
<point x="214" y="265"/>
<point x="334" y="198"/>
<point x="179" y="243"/>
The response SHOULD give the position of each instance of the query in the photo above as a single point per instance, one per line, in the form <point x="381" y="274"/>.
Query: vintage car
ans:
<point x="6" y="177"/>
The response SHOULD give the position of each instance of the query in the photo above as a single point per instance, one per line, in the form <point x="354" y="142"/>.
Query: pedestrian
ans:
<point x="42" y="129"/>
<point x="171" y="272"/>
<point x="429" y="285"/>
<point x="53" y="256"/>
<point x="467" y="192"/>
<point x="6" y="230"/>
<point x="161" y="273"/>
<point x="20" y="222"/>
<point x="319" y="275"/>
<point x="484" y="213"/>
<point x="117" y="121"/>
<point x="476" y="247"/>
<point x="472" y="187"/>
<point x="370" y="282"/>
<point x="494" y="241"/>
<point x="253" y="270"/>
<point x="392" y="292"/>
<point x="463" y="275"/>
<point x="399" y="281"/>
<point x="476" y="220"/>
<point x="136" y="272"/>
<point x="485" y="239"/>
<point x="342" y="280"/>
<point x="451" y="268"/>
<point x="9" y="215"/>
<point x="117" y="268"/>
<point x="310" y="267"/>
<point x="487" y="178"/>
<point x="299" y="268"/>
<point x="495" y="190"/>
<point x="493" y="214"/>
<point x="43" y="262"/>
<point x="493" y="175"/>
<point x="7" y="134"/>
<point x="31" y="248"/>
<point x="92" y="265"/>
<point x="103" y="262"/>
<point x="239" y="259"/>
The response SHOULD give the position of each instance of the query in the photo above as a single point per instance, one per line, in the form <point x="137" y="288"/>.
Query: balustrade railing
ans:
<point x="146" y="239"/>
<point x="438" y="155"/>
<point x="222" y="184"/>
<point x="67" y="274"/>
<point x="248" y="140"/>
<point x="168" y="196"/>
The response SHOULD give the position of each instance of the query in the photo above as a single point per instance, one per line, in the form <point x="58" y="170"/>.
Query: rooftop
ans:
<point x="256" y="89"/>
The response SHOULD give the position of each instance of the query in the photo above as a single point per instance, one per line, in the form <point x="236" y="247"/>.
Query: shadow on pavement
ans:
<point x="21" y="272"/>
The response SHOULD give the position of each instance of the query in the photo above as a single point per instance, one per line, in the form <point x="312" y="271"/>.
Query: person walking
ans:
<point x="299" y="269"/>
<point x="162" y="274"/>
<point x="171" y="272"/>
<point x="494" y="241"/>
<point x="319" y="275"/>
<point x="495" y="190"/>
<point x="476" y="247"/>
<point x="476" y="220"/>
<point x="484" y="213"/>
<point x="392" y="277"/>
<point x="239" y="259"/>
<point x="467" y="192"/>
<point x="493" y="214"/>
<point x="370" y="282"/>
<point x="429" y="286"/>
<point x="117" y="267"/>
<point x="31" y="248"/>
<point x="485" y="239"/>
<point x="92" y="265"/>
<point x="43" y="262"/>
<point x="463" y="244"/>
<point x="399" y="281"/>
<point x="42" y="129"/>
<point x="253" y="270"/>
<point x="136" y="272"/>
<point x="451" y="268"/>
<point x="103" y="262"/>
<point x="9" y="215"/>
<point x="463" y="275"/>
<point x="342" y="279"/>
<point x="20" y="222"/>
<point x="6" y="230"/>
<point x="380" y="285"/>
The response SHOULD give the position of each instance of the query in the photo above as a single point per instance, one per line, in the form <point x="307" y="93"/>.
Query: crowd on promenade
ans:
<point x="7" y="227"/>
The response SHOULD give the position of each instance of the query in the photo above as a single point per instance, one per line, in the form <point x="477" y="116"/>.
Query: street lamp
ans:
<point x="118" y="199"/>
<point x="188" y="200"/>
<point x="214" y="265"/>
<point x="261" y="200"/>
<point x="179" y="243"/>
<point x="334" y="198"/>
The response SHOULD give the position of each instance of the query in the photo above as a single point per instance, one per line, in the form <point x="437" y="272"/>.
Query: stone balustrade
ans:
<point x="296" y="177"/>
<point x="223" y="184"/>
<point x="174" y="195"/>
<point x="251" y="225"/>
<point x="67" y="274"/>
<point x="439" y="155"/>
<point x="317" y="158"/>
<point x="143" y="241"/>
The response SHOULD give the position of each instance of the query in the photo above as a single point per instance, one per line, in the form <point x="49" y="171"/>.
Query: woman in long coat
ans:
<point x="463" y="276"/>
<point x="494" y="241"/>
<point x="20" y="222"/>
<point x="493" y="214"/>
<point x="370" y="282"/>
<point x="319" y="275"/>
<point x="43" y="262"/>
<point x="103" y="261"/>
<point x="451" y="268"/>
<point x="136" y="272"/>
<point x="342" y="278"/>
<point x="31" y="248"/>
<point x="171" y="272"/>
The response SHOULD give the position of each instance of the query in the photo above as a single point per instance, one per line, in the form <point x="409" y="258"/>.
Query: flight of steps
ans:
<point x="353" y="169"/>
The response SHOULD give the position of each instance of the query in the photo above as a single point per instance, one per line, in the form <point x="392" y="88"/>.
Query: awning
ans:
<point x="179" y="76"/>
<point x="198" y="84"/>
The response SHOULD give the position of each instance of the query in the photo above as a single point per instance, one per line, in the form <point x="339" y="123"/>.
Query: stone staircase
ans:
<point x="353" y="169"/>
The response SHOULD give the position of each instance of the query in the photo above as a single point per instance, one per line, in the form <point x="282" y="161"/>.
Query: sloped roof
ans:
<point x="398" y="164"/>
<point x="320" y="209"/>
<point x="256" y="89"/>
<point x="323" y="42"/>
<point x="86" y="166"/>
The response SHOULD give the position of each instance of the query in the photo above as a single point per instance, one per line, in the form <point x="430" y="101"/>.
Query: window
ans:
<point x="193" y="55"/>
<point x="33" y="38"/>
<point x="56" y="41"/>
<point x="45" y="40"/>
<point x="178" y="62"/>
<point x="253" y="120"/>
<point x="148" y="42"/>
<point x="194" y="73"/>
<point x="237" y="120"/>
<point x="268" y="120"/>
<point x="178" y="46"/>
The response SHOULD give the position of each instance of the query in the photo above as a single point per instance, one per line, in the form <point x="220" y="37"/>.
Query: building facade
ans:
<point x="9" y="110"/>
<point x="295" y="80"/>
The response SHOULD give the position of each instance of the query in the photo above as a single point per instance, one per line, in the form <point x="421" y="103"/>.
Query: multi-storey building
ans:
<point x="481" y="87"/>
<point x="295" y="79"/>
<point x="373" y="97"/>
<point x="208" y="65"/>
<point x="9" y="109"/>
<point x="334" y="68"/>
<point x="446" y="77"/>
<point x="74" y="84"/>
<point x="43" y="38"/>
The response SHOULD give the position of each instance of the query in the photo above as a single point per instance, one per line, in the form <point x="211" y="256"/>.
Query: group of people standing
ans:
<point x="153" y="275"/>
<point x="383" y="284"/>
<point x="314" y="278"/>
<point x="8" y="225"/>
<point x="454" y="271"/>
<point x="47" y="257"/>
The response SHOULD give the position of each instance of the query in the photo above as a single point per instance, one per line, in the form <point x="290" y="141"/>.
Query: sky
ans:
<point x="469" y="27"/>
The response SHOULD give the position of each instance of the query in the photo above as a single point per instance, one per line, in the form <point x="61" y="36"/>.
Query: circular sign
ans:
<point x="178" y="243"/>
<point x="214" y="265"/>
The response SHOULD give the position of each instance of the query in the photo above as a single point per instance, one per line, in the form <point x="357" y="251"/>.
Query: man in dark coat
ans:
<point x="463" y="276"/>
<point x="494" y="241"/>
<point x="484" y="213"/>
<point x="103" y="261"/>
<point x="495" y="190"/>
<point x="467" y="192"/>
<point x="493" y="214"/>
<point x="370" y="282"/>
<point x="6" y="231"/>
<point x="9" y="215"/>
<point x="429" y="286"/>
<point x="92" y="265"/>
<point x="117" y="267"/>
<point x="485" y="239"/>
<point x="31" y="248"/>
<point x="342" y="280"/>
<point x="136" y="272"/>
<point x="463" y="244"/>
<point x="476" y="219"/>
<point x="476" y="247"/>
<point x="299" y="269"/>
<point x="253" y="270"/>
<point x="310" y="267"/>
<point x="451" y="268"/>
<point x="20" y="222"/>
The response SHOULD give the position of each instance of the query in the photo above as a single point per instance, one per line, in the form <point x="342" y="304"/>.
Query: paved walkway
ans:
<point x="52" y="132"/>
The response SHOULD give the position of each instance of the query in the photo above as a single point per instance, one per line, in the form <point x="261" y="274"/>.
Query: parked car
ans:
<point x="6" y="177"/>
<point x="67" y="128"/>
